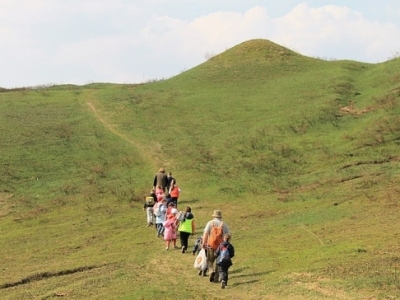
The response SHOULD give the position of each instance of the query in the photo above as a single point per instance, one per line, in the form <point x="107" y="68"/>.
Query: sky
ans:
<point x="44" y="42"/>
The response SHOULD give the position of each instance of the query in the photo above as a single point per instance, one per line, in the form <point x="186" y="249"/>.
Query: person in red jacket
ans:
<point x="174" y="192"/>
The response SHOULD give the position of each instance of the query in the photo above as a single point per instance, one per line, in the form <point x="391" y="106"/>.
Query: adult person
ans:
<point x="212" y="237"/>
<point x="186" y="228"/>
<point x="170" y="180"/>
<point x="160" y="179"/>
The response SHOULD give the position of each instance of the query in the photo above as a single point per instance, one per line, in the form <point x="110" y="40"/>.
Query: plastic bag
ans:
<point x="201" y="260"/>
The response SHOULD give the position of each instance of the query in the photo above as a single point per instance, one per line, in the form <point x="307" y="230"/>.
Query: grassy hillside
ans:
<point x="300" y="154"/>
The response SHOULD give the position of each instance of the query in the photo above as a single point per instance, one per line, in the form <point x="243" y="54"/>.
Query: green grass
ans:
<point x="300" y="154"/>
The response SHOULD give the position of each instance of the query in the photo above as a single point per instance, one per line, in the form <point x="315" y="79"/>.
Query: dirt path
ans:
<point x="147" y="154"/>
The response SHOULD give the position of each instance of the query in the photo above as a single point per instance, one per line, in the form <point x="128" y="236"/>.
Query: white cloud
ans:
<point x="126" y="41"/>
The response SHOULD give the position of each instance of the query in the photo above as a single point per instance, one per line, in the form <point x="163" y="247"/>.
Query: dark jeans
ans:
<point x="160" y="229"/>
<point x="223" y="273"/>
<point x="184" y="237"/>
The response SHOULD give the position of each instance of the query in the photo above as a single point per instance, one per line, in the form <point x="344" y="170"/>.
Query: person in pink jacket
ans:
<point x="170" y="231"/>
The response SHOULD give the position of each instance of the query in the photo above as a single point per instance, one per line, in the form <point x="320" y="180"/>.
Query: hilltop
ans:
<point x="300" y="154"/>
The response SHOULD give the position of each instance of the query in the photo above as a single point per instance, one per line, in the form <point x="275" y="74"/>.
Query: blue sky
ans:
<point x="127" y="41"/>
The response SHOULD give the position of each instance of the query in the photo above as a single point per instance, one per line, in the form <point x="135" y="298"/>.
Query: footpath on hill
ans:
<point x="146" y="152"/>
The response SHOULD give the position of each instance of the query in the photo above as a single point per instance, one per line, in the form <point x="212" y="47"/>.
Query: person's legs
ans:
<point x="181" y="237"/>
<point x="226" y="275"/>
<point x="160" y="228"/>
<point x="210" y="265"/>
<point x="149" y="216"/>
<point x="223" y="275"/>
<point x="184" y="237"/>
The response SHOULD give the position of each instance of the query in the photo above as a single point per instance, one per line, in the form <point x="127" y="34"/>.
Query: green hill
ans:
<point x="300" y="154"/>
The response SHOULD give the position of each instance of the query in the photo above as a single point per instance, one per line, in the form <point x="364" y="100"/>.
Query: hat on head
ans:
<point x="217" y="214"/>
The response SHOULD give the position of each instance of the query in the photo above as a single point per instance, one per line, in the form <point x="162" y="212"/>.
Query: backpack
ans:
<point x="149" y="200"/>
<point x="223" y="256"/>
<point x="215" y="237"/>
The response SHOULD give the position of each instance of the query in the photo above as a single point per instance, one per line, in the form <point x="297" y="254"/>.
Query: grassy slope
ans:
<point x="308" y="189"/>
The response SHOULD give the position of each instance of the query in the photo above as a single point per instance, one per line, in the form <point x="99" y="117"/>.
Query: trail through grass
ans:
<point x="300" y="154"/>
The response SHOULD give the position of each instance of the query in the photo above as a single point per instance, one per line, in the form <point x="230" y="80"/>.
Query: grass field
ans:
<point x="300" y="154"/>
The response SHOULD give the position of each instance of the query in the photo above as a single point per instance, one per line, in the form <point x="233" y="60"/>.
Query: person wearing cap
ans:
<point x="160" y="179"/>
<point x="215" y="222"/>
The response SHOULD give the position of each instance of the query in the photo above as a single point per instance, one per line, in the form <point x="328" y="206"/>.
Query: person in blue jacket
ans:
<point x="224" y="255"/>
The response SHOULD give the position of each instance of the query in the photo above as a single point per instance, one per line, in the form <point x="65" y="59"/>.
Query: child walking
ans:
<point x="149" y="202"/>
<point x="170" y="231"/>
<point x="160" y="212"/>
<point x="224" y="255"/>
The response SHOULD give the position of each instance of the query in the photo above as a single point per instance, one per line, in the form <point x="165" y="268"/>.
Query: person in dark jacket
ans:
<point x="160" y="179"/>
<point x="148" y="207"/>
<point x="170" y="180"/>
<point x="224" y="255"/>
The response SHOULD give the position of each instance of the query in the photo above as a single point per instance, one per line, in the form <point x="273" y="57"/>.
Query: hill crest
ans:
<point x="257" y="50"/>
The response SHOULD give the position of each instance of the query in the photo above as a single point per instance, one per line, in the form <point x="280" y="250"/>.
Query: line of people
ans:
<point x="162" y="212"/>
<point x="161" y="207"/>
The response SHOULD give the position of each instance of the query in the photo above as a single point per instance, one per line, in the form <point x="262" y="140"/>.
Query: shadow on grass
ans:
<point x="234" y="275"/>
<point x="187" y="201"/>
<point x="238" y="273"/>
<point x="244" y="282"/>
<point x="249" y="274"/>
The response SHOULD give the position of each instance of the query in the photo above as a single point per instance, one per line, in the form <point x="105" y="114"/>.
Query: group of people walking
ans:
<point x="162" y="212"/>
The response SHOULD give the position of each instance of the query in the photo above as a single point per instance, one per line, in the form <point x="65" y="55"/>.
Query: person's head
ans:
<point x="169" y="174"/>
<point x="227" y="237"/>
<point x="161" y="170"/>
<point x="217" y="214"/>
<point x="188" y="209"/>
<point x="164" y="201"/>
<point x="159" y="187"/>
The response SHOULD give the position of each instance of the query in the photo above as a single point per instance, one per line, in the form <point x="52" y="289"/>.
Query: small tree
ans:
<point x="209" y="55"/>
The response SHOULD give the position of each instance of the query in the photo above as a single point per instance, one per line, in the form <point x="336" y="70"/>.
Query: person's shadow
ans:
<point x="187" y="201"/>
<point x="241" y="273"/>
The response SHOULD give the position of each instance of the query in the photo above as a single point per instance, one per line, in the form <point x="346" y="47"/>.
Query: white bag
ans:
<point x="180" y="216"/>
<point x="201" y="260"/>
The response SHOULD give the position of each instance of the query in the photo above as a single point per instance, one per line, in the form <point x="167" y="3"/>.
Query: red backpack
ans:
<point x="216" y="236"/>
